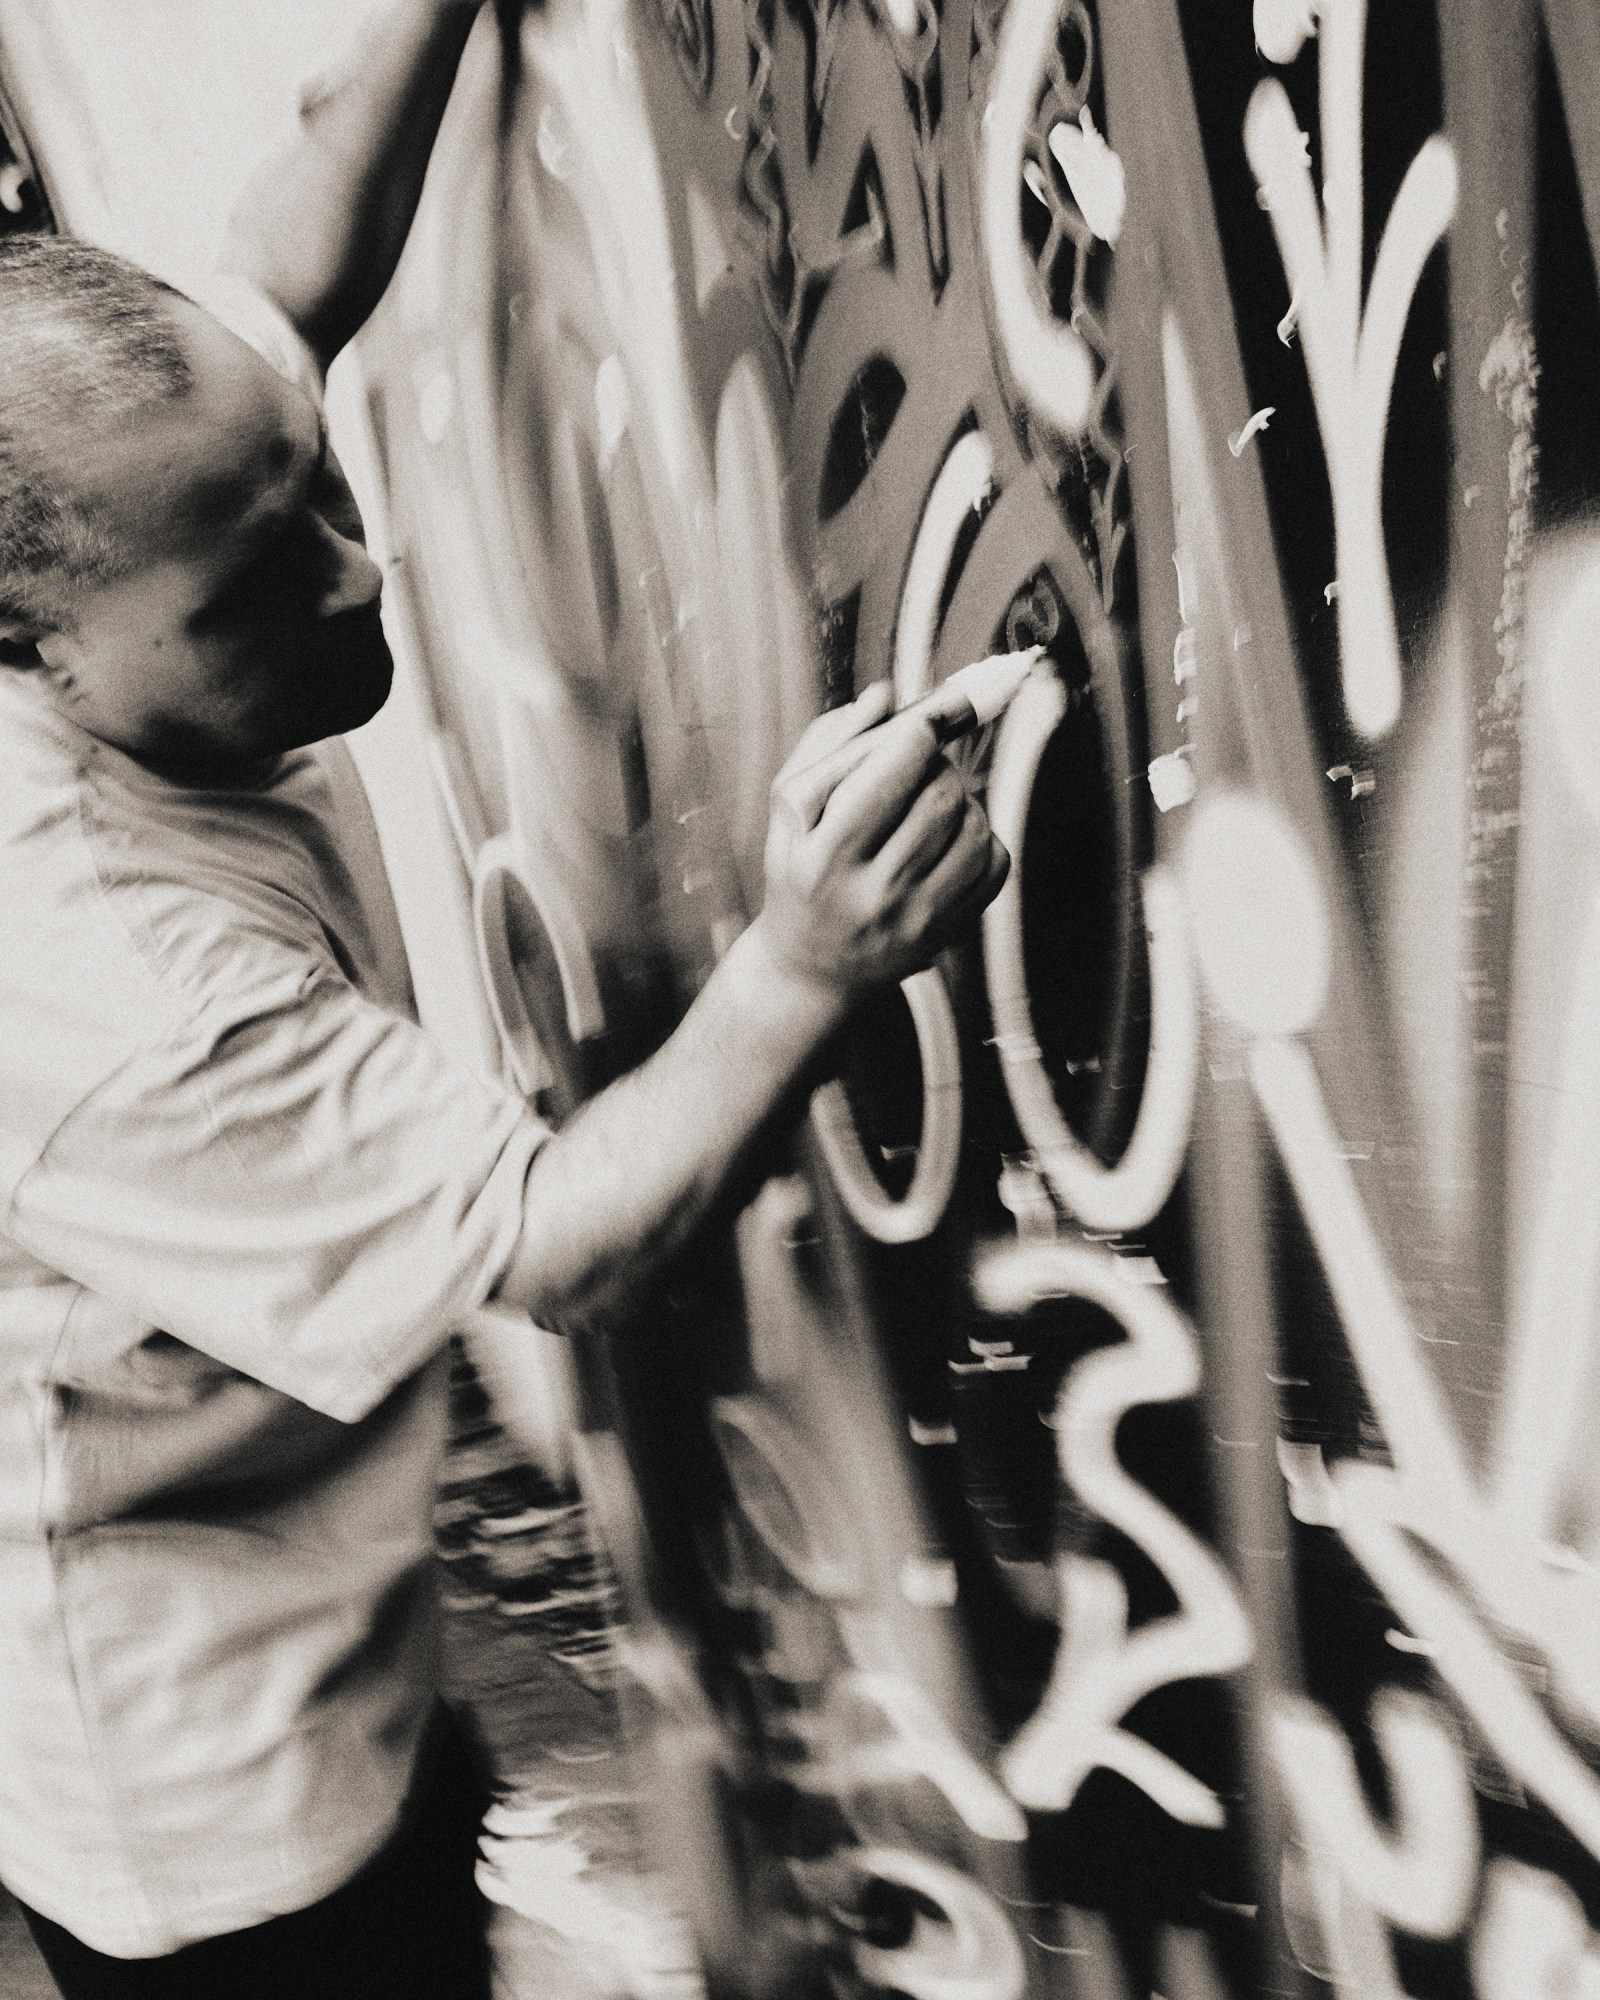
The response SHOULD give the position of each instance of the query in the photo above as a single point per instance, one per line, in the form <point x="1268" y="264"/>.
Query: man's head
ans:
<point x="179" y="561"/>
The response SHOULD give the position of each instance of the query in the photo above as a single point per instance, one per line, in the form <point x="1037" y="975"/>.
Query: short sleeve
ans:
<point x="303" y="1185"/>
<point x="244" y="309"/>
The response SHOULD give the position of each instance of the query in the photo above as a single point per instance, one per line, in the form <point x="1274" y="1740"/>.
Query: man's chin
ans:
<point x="354" y="684"/>
<point x="366" y="699"/>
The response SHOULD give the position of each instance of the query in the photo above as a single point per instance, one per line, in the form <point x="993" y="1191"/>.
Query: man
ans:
<point x="245" y="1196"/>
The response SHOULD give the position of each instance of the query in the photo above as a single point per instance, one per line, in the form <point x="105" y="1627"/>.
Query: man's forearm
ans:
<point x="899" y="862"/>
<point x="321" y="225"/>
<point x="620" y="1189"/>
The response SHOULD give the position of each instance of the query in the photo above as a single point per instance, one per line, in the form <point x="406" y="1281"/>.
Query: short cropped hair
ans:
<point x="85" y="337"/>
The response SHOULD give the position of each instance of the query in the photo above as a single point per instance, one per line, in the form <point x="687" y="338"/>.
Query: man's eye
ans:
<point x="267" y="585"/>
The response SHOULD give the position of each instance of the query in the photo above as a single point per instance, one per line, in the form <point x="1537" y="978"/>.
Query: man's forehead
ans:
<point x="209" y="458"/>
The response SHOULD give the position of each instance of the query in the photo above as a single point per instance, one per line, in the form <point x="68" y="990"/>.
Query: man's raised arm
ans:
<point x="321" y="225"/>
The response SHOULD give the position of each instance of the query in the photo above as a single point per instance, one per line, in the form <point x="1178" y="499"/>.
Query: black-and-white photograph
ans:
<point x="799" y="1000"/>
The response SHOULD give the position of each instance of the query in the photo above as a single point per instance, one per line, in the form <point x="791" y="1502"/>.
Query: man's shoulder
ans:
<point x="76" y="998"/>
<point x="221" y="892"/>
<point x="153" y="902"/>
<point x="50" y="887"/>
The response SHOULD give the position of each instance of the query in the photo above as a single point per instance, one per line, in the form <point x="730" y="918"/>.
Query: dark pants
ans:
<point x="410" y="1926"/>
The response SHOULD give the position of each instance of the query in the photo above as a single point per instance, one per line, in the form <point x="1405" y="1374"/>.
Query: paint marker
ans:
<point x="957" y="707"/>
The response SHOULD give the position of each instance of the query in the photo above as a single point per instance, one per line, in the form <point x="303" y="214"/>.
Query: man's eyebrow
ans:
<point x="319" y="459"/>
<point x="278" y="523"/>
<point x="233" y="490"/>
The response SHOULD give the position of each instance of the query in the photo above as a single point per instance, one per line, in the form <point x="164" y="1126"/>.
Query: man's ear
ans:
<point x="19" y="640"/>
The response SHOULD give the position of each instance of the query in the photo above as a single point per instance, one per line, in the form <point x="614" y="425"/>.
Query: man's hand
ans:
<point x="862" y="893"/>
<point x="899" y="860"/>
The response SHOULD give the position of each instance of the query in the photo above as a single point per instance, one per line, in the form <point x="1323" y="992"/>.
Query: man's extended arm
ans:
<point x="900" y="859"/>
<point x="321" y="224"/>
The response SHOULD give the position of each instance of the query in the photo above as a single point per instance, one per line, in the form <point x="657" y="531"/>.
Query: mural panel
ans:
<point x="1112" y="1512"/>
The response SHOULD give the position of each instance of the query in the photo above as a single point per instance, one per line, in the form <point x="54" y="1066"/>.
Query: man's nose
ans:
<point x="351" y="579"/>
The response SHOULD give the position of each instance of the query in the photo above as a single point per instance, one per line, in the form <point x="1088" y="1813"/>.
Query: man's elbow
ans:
<point x="327" y="312"/>
<point x="579" y="1277"/>
<point x="564" y="1296"/>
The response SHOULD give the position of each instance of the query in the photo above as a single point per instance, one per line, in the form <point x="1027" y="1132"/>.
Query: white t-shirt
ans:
<point x="244" y="1199"/>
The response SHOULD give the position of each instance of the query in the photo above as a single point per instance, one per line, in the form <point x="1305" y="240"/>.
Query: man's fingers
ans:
<point x="966" y="878"/>
<point x="969" y="905"/>
<point x="868" y="804"/>
<point x="995" y="874"/>
<point x="927" y="832"/>
<point x="832" y="731"/>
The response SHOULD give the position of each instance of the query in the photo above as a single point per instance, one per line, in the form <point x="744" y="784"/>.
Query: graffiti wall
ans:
<point x="1113" y="1512"/>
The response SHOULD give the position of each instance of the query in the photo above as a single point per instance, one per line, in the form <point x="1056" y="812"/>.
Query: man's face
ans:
<point x="247" y="623"/>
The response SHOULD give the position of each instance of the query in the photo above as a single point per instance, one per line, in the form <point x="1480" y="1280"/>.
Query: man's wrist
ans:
<point x="784" y="999"/>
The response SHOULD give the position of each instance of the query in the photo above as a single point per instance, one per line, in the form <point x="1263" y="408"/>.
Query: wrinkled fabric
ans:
<point x="243" y="1199"/>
